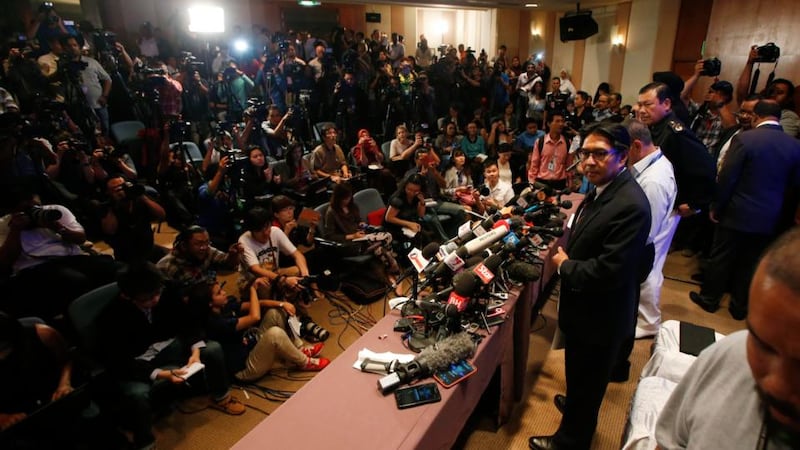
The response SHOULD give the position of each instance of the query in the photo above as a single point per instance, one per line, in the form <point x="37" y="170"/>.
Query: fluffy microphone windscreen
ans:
<point x="447" y="351"/>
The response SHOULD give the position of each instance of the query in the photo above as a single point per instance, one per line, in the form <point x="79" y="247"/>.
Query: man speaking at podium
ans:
<point x="599" y="272"/>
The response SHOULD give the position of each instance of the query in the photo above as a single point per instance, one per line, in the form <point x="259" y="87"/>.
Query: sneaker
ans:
<point x="229" y="405"/>
<point x="315" y="364"/>
<point x="313" y="350"/>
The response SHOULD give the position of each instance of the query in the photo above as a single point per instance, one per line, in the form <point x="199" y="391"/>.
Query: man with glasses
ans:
<point x="757" y="196"/>
<point x="194" y="260"/>
<point x="599" y="271"/>
<point x="744" y="122"/>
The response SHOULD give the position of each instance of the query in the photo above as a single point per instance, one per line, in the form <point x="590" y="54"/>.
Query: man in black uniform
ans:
<point x="695" y="170"/>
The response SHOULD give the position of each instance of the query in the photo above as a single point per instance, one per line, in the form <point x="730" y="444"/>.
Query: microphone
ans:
<point x="430" y="360"/>
<point x="552" y="231"/>
<point x="482" y="242"/>
<point x="549" y="191"/>
<point x="523" y="272"/>
<point x="429" y="251"/>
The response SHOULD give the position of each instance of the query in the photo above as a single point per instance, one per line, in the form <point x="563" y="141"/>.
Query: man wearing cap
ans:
<point x="710" y="118"/>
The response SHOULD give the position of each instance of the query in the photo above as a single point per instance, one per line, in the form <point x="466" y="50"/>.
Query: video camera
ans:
<point x="104" y="41"/>
<point x="189" y="62"/>
<point x="257" y="109"/>
<point x="768" y="52"/>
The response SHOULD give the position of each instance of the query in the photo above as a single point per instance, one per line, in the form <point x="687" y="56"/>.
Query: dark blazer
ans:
<point x="695" y="168"/>
<point x="759" y="181"/>
<point x="599" y="281"/>
<point x="125" y="333"/>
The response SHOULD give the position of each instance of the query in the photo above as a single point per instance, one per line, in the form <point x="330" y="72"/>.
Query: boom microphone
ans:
<point x="432" y="359"/>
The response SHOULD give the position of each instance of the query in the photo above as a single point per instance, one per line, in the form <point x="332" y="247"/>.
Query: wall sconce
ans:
<point x="618" y="41"/>
<point x="535" y="30"/>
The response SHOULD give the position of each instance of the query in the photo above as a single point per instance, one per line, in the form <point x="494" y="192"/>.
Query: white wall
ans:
<point x="472" y="27"/>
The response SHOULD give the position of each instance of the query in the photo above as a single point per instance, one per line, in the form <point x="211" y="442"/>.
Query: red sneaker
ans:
<point x="316" y="364"/>
<point x="313" y="350"/>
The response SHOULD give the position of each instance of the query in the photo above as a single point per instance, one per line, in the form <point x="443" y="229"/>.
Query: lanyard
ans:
<point x="652" y="161"/>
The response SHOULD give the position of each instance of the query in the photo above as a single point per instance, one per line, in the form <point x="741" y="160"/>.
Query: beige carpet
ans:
<point x="195" y="427"/>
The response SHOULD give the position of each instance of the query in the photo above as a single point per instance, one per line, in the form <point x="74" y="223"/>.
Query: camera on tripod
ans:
<point x="104" y="41"/>
<point x="768" y="52"/>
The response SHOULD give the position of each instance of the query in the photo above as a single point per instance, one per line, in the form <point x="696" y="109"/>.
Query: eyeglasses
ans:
<point x="597" y="155"/>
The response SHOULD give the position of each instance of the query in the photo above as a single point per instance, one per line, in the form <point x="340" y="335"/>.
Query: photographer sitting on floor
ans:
<point x="252" y="344"/>
<point x="144" y="340"/>
<point x="261" y="245"/>
<point x="194" y="260"/>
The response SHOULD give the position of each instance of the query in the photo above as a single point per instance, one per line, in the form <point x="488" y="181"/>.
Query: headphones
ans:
<point x="182" y="238"/>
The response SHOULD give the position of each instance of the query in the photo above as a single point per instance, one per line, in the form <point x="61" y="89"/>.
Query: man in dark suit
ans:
<point x="144" y="341"/>
<point x="757" y="194"/>
<point x="599" y="281"/>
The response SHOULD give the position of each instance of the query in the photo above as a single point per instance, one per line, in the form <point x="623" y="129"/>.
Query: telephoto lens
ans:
<point x="313" y="332"/>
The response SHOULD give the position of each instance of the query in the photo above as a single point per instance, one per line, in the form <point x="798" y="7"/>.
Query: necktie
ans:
<point x="587" y="202"/>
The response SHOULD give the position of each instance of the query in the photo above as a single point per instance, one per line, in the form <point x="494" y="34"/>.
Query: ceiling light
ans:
<point x="309" y="2"/>
<point x="531" y="5"/>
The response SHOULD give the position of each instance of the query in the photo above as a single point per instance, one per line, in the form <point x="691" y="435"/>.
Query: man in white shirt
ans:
<point x="95" y="81"/>
<point x="261" y="245"/>
<point x="655" y="175"/>
<point x="40" y="250"/>
<point x="500" y="192"/>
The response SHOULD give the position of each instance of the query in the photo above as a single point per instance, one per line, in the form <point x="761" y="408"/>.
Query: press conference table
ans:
<point x="342" y="408"/>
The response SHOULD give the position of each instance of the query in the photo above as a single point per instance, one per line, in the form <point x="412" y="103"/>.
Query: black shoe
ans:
<point x="542" y="443"/>
<point x="560" y="400"/>
<point x="707" y="303"/>
<point x="737" y="313"/>
<point x="699" y="277"/>
<point x="620" y="373"/>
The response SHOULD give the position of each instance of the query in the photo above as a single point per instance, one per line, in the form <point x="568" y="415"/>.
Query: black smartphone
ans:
<point x="455" y="373"/>
<point x="417" y="395"/>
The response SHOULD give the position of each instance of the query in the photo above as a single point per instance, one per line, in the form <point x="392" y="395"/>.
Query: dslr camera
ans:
<point x="768" y="52"/>
<point x="711" y="67"/>
<point x="41" y="217"/>
<point x="133" y="190"/>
